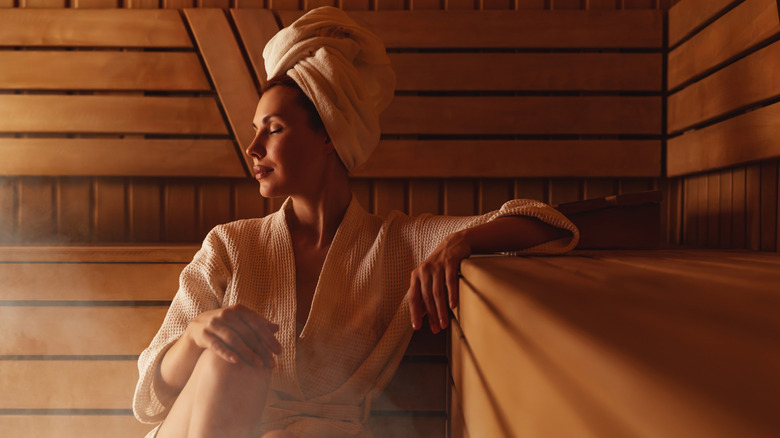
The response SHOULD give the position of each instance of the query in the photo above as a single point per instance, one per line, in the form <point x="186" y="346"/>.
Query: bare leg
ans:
<point x="219" y="400"/>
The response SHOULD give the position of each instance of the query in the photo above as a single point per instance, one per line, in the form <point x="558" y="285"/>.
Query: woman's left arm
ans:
<point x="434" y="284"/>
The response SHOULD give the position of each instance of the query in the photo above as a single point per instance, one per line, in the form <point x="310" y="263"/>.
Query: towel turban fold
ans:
<point x="344" y="70"/>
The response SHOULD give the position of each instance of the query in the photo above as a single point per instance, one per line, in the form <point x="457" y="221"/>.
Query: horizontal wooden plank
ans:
<point x="86" y="426"/>
<point x="101" y="70"/>
<point x="93" y="28"/>
<point x="65" y="384"/>
<point x="527" y="71"/>
<point x="126" y="426"/>
<point x="99" y="254"/>
<point x="583" y="315"/>
<point x="513" y="159"/>
<point x="119" y="157"/>
<point x="515" y="29"/>
<point x="89" y="281"/>
<point x="747" y="81"/>
<point x="749" y="137"/>
<point x="109" y="384"/>
<point x="522" y="115"/>
<point x="743" y="27"/>
<point x="79" y="330"/>
<point x="110" y="114"/>
<point x="686" y="16"/>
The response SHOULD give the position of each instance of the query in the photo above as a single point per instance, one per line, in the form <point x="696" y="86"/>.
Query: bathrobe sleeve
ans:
<point x="202" y="286"/>
<point x="431" y="230"/>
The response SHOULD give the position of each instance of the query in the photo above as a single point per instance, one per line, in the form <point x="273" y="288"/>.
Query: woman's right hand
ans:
<point x="236" y="333"/>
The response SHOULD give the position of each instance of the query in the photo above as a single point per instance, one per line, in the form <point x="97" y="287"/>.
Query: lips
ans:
<point x="262" y="171"/>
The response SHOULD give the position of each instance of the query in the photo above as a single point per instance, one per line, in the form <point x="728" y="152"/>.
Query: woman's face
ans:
<point x="289" y="155"/>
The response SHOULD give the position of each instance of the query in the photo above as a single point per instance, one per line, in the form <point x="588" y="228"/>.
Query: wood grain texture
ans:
<point x="145" y="211"/>
<point x="572" y="315"/>
<point x="101" y="70"/>
<point x="36" y="219"/>
<point x="725" y="208"/>
<point x="686" y="16"/>
<point x="748" y="137"/>
<point x="743" y="27"/>
<point x="87" y="426"/>
<point x="746" y="82"/>
<point x="739" y="207"/>
<point x="110" y="114"/>
<point x="111" y="224"/>
<point x="522" y="115"/>
<point x="255" y="27"/>
<point x="103" y="330"/>
<point x="753" y="206"/>
<point x="713" y="210"/>
<point x="513" y="158"/>
<point x="93" y="28"/>
<point x="119" y="157"/>
<point x="89" y="281"/>
<point x="74" y="209"/>
<point x="502" y="29"/>
<point x="527" y="71"/>
<point x="181" y="212"/>
<point x="229" y="73"/>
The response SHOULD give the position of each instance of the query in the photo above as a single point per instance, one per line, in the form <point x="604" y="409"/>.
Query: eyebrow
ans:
<point x="265" y="119"/>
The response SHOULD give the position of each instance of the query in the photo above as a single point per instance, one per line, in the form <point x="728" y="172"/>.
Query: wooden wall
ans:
<point x="123" y="140"/>
<point x="724" y="123"/>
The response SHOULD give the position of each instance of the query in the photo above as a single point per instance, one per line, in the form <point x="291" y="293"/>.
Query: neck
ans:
<point x="314" y="219"/>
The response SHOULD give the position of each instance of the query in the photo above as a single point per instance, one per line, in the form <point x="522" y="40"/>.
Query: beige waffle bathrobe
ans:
<point x="358" y="326"/>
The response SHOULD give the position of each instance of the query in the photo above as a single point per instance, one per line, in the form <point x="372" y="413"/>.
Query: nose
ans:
<point x="256" y="148"/>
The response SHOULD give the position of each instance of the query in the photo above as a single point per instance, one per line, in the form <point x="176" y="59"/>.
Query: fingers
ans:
<point x="429" y="302"/>
<point x="236" y="332"/>
<point x="440" y="298"/>
<point x="416" y="309"/>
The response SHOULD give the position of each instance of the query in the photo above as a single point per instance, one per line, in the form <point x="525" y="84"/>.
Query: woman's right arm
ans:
<point x="233" y="333"/>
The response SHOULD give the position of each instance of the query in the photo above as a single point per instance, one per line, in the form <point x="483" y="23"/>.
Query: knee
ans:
<point x="225" y="372"/>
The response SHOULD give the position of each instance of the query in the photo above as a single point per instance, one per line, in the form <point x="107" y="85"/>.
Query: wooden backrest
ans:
<point x="75" y="319"/>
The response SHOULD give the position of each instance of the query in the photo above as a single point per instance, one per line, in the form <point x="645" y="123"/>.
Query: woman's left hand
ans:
<point x="434" y="284"/>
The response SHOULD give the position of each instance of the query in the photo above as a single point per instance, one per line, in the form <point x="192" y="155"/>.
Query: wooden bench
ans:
<point x="74" y="320"/>
<point x="618" y="343"/>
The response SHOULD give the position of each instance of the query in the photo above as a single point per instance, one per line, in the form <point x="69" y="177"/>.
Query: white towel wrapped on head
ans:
<point x="344" y="69"/>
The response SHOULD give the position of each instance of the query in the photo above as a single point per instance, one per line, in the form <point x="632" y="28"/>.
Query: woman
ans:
<point x="290" y="325"/>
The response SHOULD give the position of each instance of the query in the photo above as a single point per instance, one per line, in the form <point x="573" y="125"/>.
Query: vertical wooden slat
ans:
<point x="224" y="4"/>
<point x="565" y="190"/>
<point x="690" y="212"/>
<point x="361" y="188"/>
<point x="8" y="209"/>
<point x="389" y="5"/>
<point x="36" y="205"/>
<point x="32" y="4"/>
<point x="110" y="210"/>
<point x="603" y="4"/>
<point x="285" y="5"/>
<point x="713" y="209"/>
<point x="531" y="189"/>
<point x="425" y="197"/>
<point x="178" y="4"/>
<point x="141" y="4"/>
<point x="567" y="4"/>
<point x="390" y="195"/>
<point x="675" y="195"/>
<point x="777" y="213"/>
<point x="631" y="185"/>
<point x="460" y="5"/>
<point x="769" y="205"/>
<point x="94" y="4"/>
<point x="248" y="202"/>
<point x="702" y="226"/>
<point x="599" y="188"/>
<point x="426" y="5"/>
<point x="493" y="193"/>
<point x="753" y="206"/>
<point x="215" y="205"/>
<point x="501" y="5"/>
<point x="459" y="197"/>
<point x="355" y="5"/>
<point x="74" y="210"/>
<point x="725" y="209"/>
<point x="738" y="208"/>
<point x="145" y="203"/>
<point x="640" y="4"/>
<point x="180" y="211"/>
